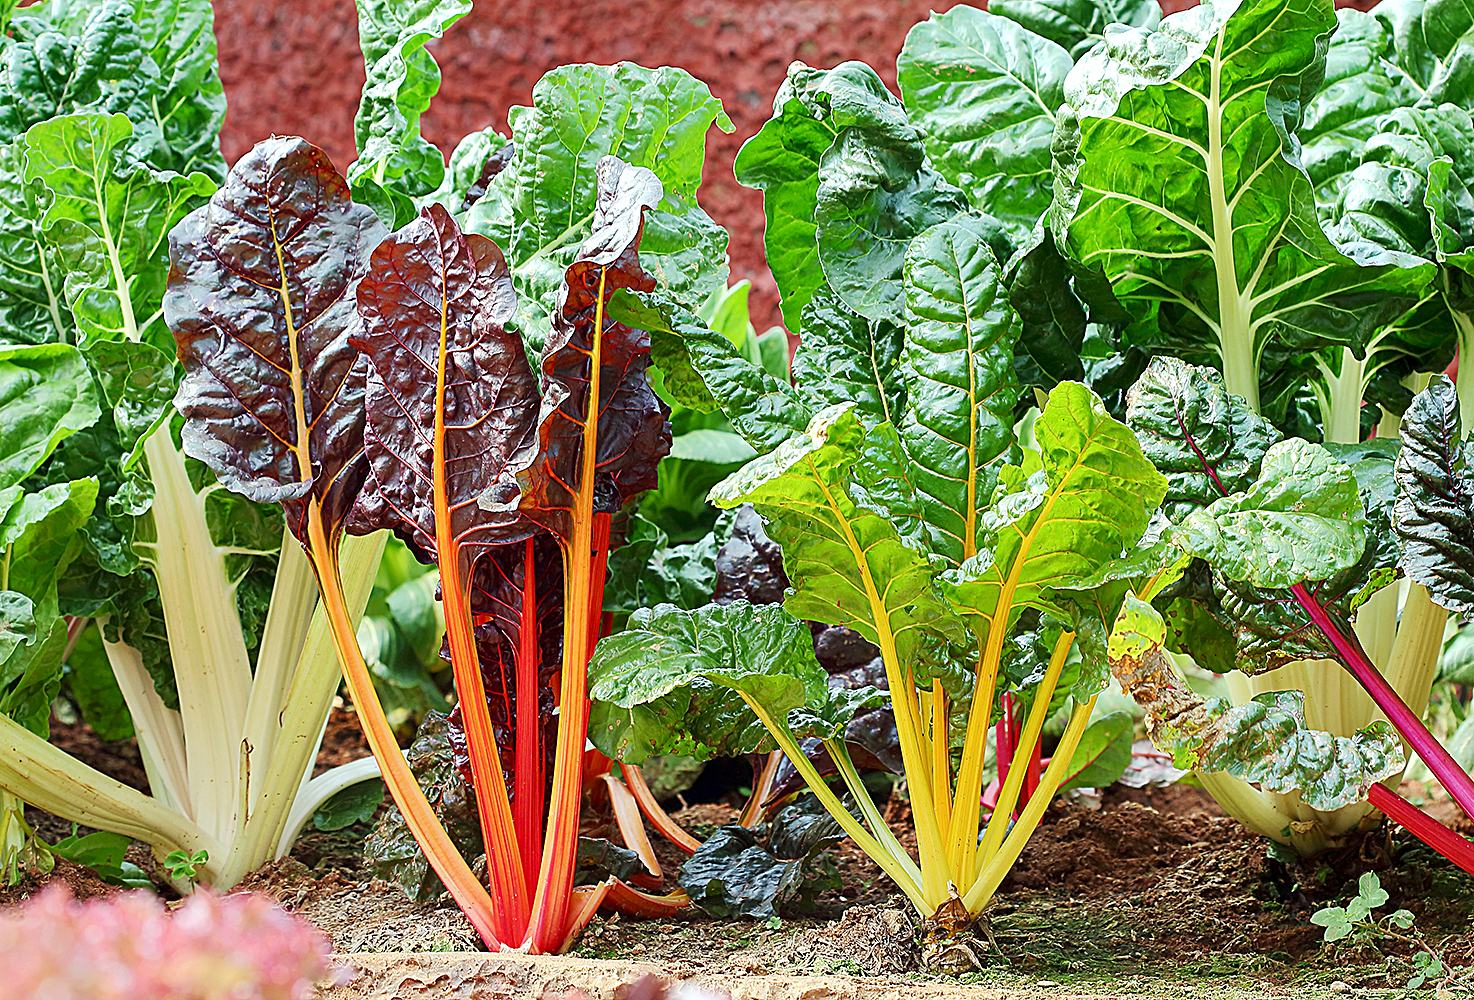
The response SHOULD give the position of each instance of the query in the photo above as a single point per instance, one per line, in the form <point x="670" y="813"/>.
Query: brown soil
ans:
<point x="343" y="741"/>
<point x="84" y="883"/>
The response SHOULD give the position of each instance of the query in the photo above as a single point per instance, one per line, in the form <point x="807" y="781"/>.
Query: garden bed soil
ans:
<point x="1154" y="892"/>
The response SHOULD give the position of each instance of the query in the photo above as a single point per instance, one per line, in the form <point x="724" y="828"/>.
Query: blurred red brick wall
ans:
<point x="293" y="67"/>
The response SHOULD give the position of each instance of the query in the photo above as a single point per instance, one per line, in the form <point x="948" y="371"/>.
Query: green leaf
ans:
<point x="103" y="852"/>
<point x="17" y="622"/>
<point x="1301" y="520"/>
<point x="1083" y="501"/>
<point x="32" y="309"/>
<point x="395" y="163"/>
<point x="782" y="161"/>
<point x="846" y="563"/>
<point x="876" y="191"/>
<point x="984" y="90"/>
<point x="89" y="683"/>
<point x="137" y="382"/>
<point x="109" y="221"/>
<point x="1207" y="442"/>
<point x="1077" y="25"/>
<point x="707" y="445"/>
<point x="46" y="395"/>
<point x="673" y="680"/>
<point x="1434" y="511"/>
<point x="1264" y="740"/>
<point x="539" y="209"/>
<point x="1103" y="754"/>
<point x="844" y="357"/>
<point x="960" y="385"/>
<point x="1208" y="232"/>
<point x="354" y="804"/>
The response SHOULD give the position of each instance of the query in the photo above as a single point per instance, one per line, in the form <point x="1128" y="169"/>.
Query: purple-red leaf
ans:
<point x="261" y="303"/>
<point x="451" y="399"/>
<point x="631" y="434"/>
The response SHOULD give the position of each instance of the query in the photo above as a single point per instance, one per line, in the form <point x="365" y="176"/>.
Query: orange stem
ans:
<point x="658" y="817"/>
<point x="531" y="781"/>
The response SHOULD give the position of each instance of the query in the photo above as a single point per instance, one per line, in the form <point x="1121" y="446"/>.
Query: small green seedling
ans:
<point x="183" y="866"/>
<point x="1354" y="923"/>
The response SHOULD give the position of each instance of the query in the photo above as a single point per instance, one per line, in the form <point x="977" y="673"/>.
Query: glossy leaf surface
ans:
<point x="450" y="395"/>
<point x="1434" y="511"/>
<point x="261" y="302"/>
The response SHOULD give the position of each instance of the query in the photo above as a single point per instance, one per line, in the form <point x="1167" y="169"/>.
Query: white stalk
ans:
<point x="211" y="667"/>
<point x="50" y="779"/>
<point x="159" y="729"/>
<point x="296" y="729"/>
<point x="317" y="791"/>
<point x="1464" y="381"/>
<point x="1235" y="333"/>
<point x="1340" y="400"/>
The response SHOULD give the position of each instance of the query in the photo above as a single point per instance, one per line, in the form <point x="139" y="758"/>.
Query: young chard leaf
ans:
<point x="261" y="299"/>
<point x="1434" y="511"/>
<point x="46" y="395"/>
<point x="1264" y="740"/>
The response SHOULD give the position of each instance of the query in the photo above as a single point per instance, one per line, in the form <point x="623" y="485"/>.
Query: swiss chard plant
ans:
<point x="1331" y="261"/>
<point x="168" y="607"/>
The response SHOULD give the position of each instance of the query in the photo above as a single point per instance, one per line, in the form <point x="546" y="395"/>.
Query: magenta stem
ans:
<point x="1424" y="827"/>
<point x="1453" y="777"/>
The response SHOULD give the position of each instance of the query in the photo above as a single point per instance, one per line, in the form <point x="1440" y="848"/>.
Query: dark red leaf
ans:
<point x="631" y="434"/>
<point x="261" y="303"/>
<point x="434" y="307"/>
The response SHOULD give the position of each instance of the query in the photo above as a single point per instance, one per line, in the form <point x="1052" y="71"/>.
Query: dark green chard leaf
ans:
<point x="782" y="161"/>
<point x="103" y="208"/>
<point x="1434" y="511"/>
<point x="844" y="357"/>
<point x="1301" y="520"/>
<point x="1207" y="442"/>
<point x="39" y="538"/>
<point x="738" y="873"/>
<point x="1263" y="740"/>
<point x="984" y="90"/>
<point x="1104" y="752"/>
<point x="46" y="395"/>
<point x="1361" y="85"/>
<point x="138" y="385"/>
<point x="876" y="191"/>
<point x="1077" y="25"/>
<point x="243" y="297"/>
<point x="395" y="163"/>
<point x="541" y="207"/>
<point x="153" y="60"/>
<point x="354" y="804"/>
<point x="959" y="379"/>
<point x="1209" y="234"/>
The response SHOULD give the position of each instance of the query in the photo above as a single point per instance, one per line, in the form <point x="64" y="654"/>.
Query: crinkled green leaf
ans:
<point x="959" y="378"/>
<point x="137" y="382"/>
<point x="1264" y="740"/>
<point x="1434" y="511"/>
<point x="984" y="91"/>
<point x="46" y="395"/>
<point x="1301" y="520"/>
<point x="844" y="357"/>
<point x="33" y="309"/>
<point x="1207" y="442"/>
<point x="540" y="208"/>
<point x="876" y="191"/>
<point x="782" y="161"/>
<point x="395" y="163"/>
<point x="675" y="680"/>
<point x="846" y="563"/>
<point x="1103" y="754"/>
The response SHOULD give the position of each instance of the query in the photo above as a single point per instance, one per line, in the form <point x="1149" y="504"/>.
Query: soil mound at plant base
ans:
<point x="1135" y="841"/>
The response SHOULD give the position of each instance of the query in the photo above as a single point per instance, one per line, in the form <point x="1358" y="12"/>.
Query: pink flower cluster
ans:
<point x="128" y="947"/>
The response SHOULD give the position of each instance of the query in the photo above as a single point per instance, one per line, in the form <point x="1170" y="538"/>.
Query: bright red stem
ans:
<point x="531" y="780"/>
<point x="1424" y="827"/>
<point x="1031" y="778"/>
<point x="1003" y="732"/>
<point x="1408" y="725"/>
